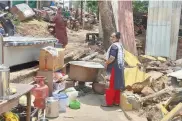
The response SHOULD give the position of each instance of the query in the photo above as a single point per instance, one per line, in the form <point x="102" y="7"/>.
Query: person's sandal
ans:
<point x="104" y="105"/>
<point x="116" y="104"/>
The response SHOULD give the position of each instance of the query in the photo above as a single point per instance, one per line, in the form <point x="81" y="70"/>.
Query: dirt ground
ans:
<point x="91" y="111"/>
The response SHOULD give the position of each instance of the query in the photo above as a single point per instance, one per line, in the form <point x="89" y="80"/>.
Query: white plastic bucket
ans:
<point x="63" y="101"/>
<point x="72" y="95"/>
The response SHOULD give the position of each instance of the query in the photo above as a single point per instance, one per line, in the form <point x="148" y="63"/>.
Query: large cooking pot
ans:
<point x="4" y="81"/>
<point x="84" y="71"/>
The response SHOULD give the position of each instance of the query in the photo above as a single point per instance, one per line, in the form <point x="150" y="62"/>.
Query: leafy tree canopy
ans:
<point x="140" y="6"/>
<point x="92" y="5"/>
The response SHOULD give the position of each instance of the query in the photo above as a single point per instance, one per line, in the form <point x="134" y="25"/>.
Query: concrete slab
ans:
<point x="91" y="111"/>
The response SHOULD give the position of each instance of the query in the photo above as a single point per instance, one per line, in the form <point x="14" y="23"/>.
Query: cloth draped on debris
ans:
<point x="130" y="59"/>
<point x="134" y="75"/>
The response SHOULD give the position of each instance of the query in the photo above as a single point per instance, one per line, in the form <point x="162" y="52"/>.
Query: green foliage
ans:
<point x="140" y="6"/>
<point x="92" y="5"/>
<point x="13" y="18"/>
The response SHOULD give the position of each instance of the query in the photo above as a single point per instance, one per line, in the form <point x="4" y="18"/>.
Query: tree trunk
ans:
<point x="81" y="21"/>
<point x="98" y="13"/>
<point x="107" y="20"/>
<point x="100" y="29"/>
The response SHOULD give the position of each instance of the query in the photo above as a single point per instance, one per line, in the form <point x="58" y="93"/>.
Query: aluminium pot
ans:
<point x="52" y="107"/>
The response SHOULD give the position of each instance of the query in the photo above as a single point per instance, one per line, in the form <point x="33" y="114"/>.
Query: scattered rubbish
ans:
<point x="23" y="11"/>
<point x="155" y="75"/>
<point x="75" y="104"/>
<point x="177" y="74"/>
<point x="21" y="112"/>
<point x="69" y="117"/>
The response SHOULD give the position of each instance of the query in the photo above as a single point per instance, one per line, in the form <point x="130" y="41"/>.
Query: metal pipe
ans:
<point x="2" y="49"/>
<point x="37" y="4"/>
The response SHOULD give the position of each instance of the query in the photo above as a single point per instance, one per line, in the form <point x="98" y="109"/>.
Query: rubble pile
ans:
<point x="157" y="89"/>
<point x="84" y="52"/>
<point x="147" y="81"/>
<point x="26" y="21"/>
<point x="33" y="28"/>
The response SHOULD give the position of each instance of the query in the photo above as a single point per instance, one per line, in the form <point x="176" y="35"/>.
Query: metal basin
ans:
<point x="84" y="71"/>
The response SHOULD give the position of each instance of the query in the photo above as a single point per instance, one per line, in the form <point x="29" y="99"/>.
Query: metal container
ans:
<point x="43" y="119"/>
<point x="52" y="107"/>
<point x="4" y="81"/>
<point x="84" y="71"/>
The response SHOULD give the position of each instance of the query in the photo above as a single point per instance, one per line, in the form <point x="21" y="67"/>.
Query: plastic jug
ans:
<point x="63" y="101"/>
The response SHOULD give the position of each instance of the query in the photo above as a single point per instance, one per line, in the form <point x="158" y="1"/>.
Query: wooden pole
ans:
<point x="98" y="12"/>
<point x="81" y="21"/>
<point x="28" y="106"/>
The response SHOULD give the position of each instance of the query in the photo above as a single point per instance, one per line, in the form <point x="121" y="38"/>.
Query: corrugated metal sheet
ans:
<point x="175" y="23"/>
<point x="158" y="28"/>
<point x="162" y="28"/>
<point x="125" y="25"/>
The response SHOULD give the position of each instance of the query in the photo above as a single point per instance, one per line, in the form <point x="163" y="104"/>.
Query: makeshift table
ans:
<point x="22" y="89"/>
<point x="28" y="49"/>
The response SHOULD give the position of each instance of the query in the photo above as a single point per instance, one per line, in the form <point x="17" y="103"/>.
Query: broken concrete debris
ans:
<point x="130" y="101"/>
<point x="153" y="85"/>
<point x="147" y="91"/>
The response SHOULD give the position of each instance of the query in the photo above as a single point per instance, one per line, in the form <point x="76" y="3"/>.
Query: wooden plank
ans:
<point x="163" y="109"/>
<point x="89" y="56"/>
<point x="14" y="99"/>
<point x="21" y="90"/>
<point x="157" y="94"/>
<point x="173" y="112"/>
<point x="8" y="105"/>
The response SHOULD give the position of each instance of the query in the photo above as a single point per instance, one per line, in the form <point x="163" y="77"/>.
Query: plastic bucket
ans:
<point x="63" y="101"/>
<point x="72" y="95"/>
